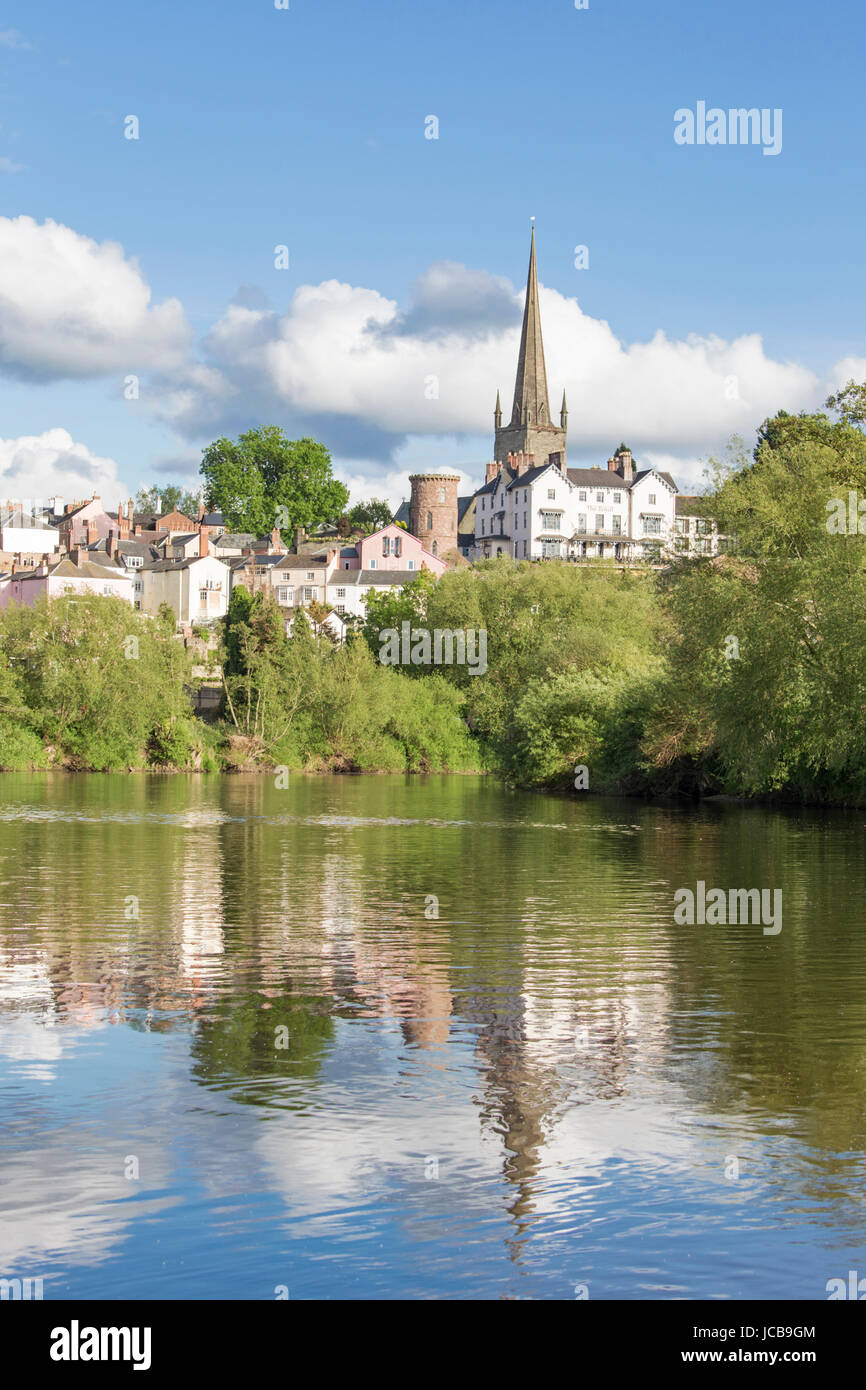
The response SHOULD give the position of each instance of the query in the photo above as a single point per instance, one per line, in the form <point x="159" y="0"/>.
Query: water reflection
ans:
<point x="239" y="987"/>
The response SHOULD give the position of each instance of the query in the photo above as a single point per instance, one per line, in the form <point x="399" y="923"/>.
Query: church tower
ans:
<point x="530" y="429"/>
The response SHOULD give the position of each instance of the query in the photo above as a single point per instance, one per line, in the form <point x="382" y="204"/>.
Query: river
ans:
<point x="385" y="1037"/>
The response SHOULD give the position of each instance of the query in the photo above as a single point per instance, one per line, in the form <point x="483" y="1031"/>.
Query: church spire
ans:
<point x="531" y="406"/>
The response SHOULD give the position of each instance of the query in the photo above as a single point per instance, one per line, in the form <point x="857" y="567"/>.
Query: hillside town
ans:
<point x="531" y="506"/>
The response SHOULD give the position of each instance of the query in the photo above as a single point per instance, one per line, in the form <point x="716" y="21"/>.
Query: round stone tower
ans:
<point x="433" y="511"/>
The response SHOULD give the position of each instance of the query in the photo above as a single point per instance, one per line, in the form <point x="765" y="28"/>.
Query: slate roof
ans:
<point x="233" y="538"/>
<point x="23" y="521"/>
<point x="165" y="566"/>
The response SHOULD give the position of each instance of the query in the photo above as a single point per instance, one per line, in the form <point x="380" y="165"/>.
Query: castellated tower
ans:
<point x="531" y="430"/>
<point x="433" y="511"/>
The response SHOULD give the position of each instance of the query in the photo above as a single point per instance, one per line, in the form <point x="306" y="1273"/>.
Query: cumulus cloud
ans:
<point x="369" y="375"/>
<point x="52" y="464"/>
<point x="74" y="307"/>
<point x="374" y="378"/>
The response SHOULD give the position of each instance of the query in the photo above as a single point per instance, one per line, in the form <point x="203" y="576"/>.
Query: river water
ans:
<point x="426" y="1037"/>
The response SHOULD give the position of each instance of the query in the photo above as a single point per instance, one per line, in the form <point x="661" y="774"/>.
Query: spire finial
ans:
<point x="530" y="387"/>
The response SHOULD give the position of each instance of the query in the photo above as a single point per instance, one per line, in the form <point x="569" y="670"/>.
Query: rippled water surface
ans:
<point x="241" y="1051"/>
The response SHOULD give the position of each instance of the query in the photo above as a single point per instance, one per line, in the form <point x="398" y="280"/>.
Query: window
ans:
<point x="311" y="593"/>
<point x="525" y="523"/>
<point x="617" y="497"/>
<point x="398" y="545"/>
<point x="599" y="523"/>
<point x="550" y="521"/>
<point x="341" y="607"/>
<point x="310" y="574"/>
<point x="285" y="594"/>
<point x="133" y="562"/>
<point x="652" y="499"/>
<point x="341" y="593"/>
<point x="429" y="521"/>
<point x="106" y="589"/>
<point x="526" y="494"/>
<point x="652" y="525"/>
<point x="581" y="496"/>
<point x="617" y="526"/>
<point x="435" y="548"/>
<point x="373" y="564"/>
<point x="410" y="565"/>
<point x="482" y="528"/>
<point x="581" y="524"/>
<point x="441" y="494"/>
<point x="524" y="550"/>
<point x="386" y="545"/>
<point x="599" y="497"/>
<point x="551" y="494"/>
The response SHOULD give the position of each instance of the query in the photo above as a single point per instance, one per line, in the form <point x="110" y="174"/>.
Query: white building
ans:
<point x="539" y="513"/>
<point x="196" y="590"/>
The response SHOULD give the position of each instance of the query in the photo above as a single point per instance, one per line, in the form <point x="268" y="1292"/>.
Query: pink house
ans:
<point x="392" y="548"/>
<point x="64" y="580"/>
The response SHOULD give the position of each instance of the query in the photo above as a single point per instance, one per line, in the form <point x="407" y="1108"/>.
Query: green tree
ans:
<point x="262" y="480"/>
<point x="371" y="516"/>
<point x="167" y="499"/>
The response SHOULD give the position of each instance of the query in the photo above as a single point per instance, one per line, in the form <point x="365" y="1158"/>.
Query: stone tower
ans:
<point x="531" y="430"/>
<point x="433" y="511"/>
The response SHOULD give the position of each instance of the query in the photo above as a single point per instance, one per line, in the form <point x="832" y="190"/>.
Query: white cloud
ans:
<point x="374" y="379"/>
<point x="53" y="464"/>
<point x="11" y="38"/>
<point x="347" y="356"/>
<point x="8" y="166"/>
<point x="74" y="307"/>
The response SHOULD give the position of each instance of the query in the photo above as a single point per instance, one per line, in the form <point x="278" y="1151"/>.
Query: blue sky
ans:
<point x="306" y="128"/>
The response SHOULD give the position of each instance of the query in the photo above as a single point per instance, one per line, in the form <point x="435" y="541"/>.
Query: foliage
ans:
<point x="262" y="480"/>
<point x="372" y="515"/>
<point x="161" y="500"/>
<point x="96" y="682"/>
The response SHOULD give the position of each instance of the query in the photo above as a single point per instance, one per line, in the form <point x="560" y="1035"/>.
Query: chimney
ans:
<point x="92" y="533"/>
<point x="626" y="464"/>
<point x="300" y="536"/>
<point x="492" y="470"/>
<point x="14" y="567"/>
<point x="200" y="510"/>
<point x="523" y="464"/>
<point x="558" y="460"/>
<point x="203" y="545"/>
<point x="130" y="513"/>
<point x="277" y="541"/>
<point x="109" y="543"/>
